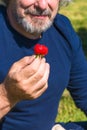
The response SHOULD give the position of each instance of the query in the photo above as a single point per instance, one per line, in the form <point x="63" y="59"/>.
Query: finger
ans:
<point x="44" y="80"/>
<point x="39" y="93"/>
<point x="22" y="63"/>
<point x="39" y="73"/>
<point x="31" y="69"/>
<point x="42" y="85"/>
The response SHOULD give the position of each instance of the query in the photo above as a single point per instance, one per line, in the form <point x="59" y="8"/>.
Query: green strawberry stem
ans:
<point x="39" y="55"/>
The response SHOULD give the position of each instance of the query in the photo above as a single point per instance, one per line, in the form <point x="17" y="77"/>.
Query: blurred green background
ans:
<point x="77" y="13"/>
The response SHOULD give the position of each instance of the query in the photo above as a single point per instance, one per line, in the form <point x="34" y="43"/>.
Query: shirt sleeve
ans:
<point x="78" y="78"/>
<point x="78" y="72"/>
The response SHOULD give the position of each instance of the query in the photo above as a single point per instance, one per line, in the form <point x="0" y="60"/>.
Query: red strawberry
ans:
<point x="40" y="50"/>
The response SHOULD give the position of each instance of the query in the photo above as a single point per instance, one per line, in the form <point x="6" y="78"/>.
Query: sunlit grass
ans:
<point x="68" y="111"/>
<point x="77" y="13"/>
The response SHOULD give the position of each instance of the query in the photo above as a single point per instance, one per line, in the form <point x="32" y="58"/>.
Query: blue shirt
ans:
<point x="68" y="69"/>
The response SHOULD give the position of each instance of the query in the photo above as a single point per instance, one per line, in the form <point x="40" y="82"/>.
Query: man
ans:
<point x="30" y="87"/>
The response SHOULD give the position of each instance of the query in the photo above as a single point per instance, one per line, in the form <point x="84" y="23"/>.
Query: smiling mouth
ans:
<point x="38" y="16"/>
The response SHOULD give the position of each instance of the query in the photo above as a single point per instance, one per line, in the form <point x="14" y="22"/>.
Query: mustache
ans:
<point x="38" y="12"/>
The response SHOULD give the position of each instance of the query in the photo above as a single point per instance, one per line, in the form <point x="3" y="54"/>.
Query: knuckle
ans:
<point x="34" y="70"/>
<point x="40" y="75"/>
<point x="26" y="59"/>
<point x="46" y="86"/>
<point x="16" y="77"/>
<point x="44" y="81"/>
<point x="14" y="65"/>
<point x="33" y="96"/>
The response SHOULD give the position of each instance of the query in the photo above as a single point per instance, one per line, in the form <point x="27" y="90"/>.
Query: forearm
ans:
<point x="5" y="104"/>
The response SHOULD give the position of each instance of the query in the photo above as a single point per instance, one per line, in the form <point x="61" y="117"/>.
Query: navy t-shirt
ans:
<point x="68" y="69"/>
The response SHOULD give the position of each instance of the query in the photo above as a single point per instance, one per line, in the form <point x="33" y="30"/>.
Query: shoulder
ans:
<point x="2" y="15"/>
<point x="2" y="20"/>
<point x="2" y="11"/>
<point x="63" y="23"/>
<point x="64" y="26"/>
<point x="62" y="18"/>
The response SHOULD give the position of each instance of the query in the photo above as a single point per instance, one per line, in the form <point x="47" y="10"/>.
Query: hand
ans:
<point x="27" y="79"/>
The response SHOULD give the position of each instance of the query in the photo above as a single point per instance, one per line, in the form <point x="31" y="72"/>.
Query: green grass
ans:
<point x="68" y="111"/>
<point x="77" y="13"/>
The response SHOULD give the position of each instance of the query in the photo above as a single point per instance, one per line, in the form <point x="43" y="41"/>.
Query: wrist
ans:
<point x="5" y="98"/>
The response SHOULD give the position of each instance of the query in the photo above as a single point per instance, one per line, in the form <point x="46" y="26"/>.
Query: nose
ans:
<point x="42" y="4"/>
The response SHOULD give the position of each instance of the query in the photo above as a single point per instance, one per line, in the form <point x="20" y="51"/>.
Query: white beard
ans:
<point x="38" y="27"/>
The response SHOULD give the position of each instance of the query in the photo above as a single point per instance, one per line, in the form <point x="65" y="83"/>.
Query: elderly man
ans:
<point x="30" y="87"/>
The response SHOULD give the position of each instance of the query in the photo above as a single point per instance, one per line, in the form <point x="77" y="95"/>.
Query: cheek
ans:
<point x="26" y="3"/>
<point x="53" y="3"/>
<point x="54" y="6"/>
<point x="22" y="5"/>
